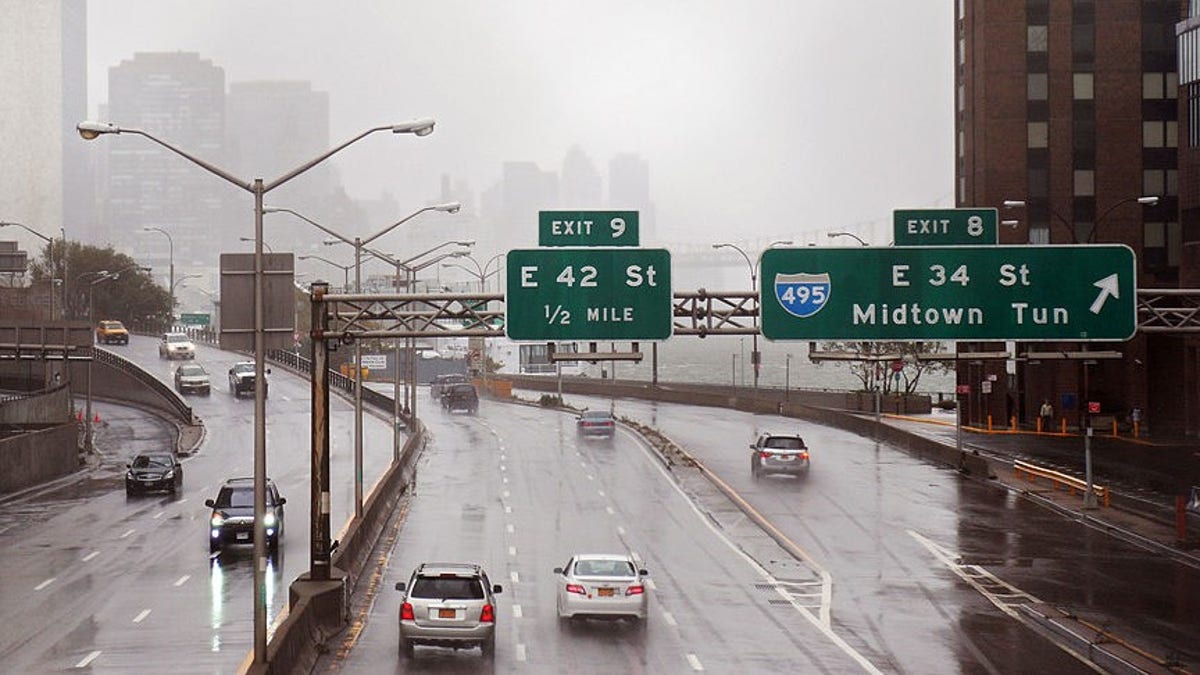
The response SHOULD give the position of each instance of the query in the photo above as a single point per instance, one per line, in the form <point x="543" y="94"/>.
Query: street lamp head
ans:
<point x="419" y="127"/>
<point x="721" y="245"/>
<point x="1014" y="203"/>
<point x="449" y="207"/>
<point x="89" y="130"/>
<point x="466" y="242"/>
<point x="1149" y="200"/>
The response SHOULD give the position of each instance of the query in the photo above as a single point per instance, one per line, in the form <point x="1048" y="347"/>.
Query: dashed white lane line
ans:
<point x="182" y="580"/>
<point x="694" y="662"/>
<point x="507" y="509"/>
<point x="141" y="616"/>
<point x="620" y="530"/>
<point x="649" y="583"/>
<point x="512" y="550"/>
<point x="158" y="515"/>
<point x="591" y="477"/>
<point x="504" y="479"/>
<point x="637" y="557"/>
<point x="610" y="510"/>
<point x="516" y="611"/>
<point x="505" y="493"/>
<point x="502" y="468"/>
<point x="669" y="619"/>
<point x="520" y="656"/>
<point x="601" y="493"/>
<point x="91" y="555"/>
<point x="127" y="533"/>
<point x="510" y="528"/>
<point x="87" y="660"/>
<point x="44" y="584"/>
<point x="516" y="578"/>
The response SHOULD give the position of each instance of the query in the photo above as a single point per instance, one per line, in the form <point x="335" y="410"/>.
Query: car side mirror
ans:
<point x="642" y="573"/>
<point x="267" y="371"/>
<point x="558" y="570"/>
<point x="497" y="588"/>
<point x="282" y="501"/>
<point x="210" y="503"/>
<point x="128" y="465"/>
<point x="400" y="585"/>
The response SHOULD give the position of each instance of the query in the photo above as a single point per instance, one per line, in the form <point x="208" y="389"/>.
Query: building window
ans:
<point x="1085" y="183"/>
<point x="1039" y="134"/>
<point x="1161" y="245"/>
<point x="1153" y="134"/>
<point x="1037" y="86"/>
<point x="962" y="143"/>
<point x="1171" y="86"/>
<point x="1160" y="182"/>
<point x="1039" y="234"/>
<point x="1036" y="38"/>
<point x="962" y="51"/>
<point x="962" y="190"/>
<point x="1083" y="86"/>
<point x="1083" y="232"/>
<point x="1172" y="133"/>
<point x="1152" y="85"/>
<point x="962" y="98"/>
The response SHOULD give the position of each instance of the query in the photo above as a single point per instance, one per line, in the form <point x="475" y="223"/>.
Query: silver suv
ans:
<point x="448" y="605"/>
<point x="778" y="453"/>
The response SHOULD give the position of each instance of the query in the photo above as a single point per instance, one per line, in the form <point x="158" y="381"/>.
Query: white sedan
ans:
<point x="601" y="586"/>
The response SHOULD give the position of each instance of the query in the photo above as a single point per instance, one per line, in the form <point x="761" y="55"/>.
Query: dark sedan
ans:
<point x="595" y="424"/>
<point x="151" y="472"/>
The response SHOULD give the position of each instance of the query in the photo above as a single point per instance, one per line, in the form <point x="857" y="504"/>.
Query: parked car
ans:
<point x="448" y="605"/>
<point x="176" y="346"/>
<point x="441" y="382"/>
<point x="601" y="586"/>
<point x="778" y="453"/>
<point x="595" y="424"/>
<point x="112" y="332"/>
<point x="192" y="378"/>
<point x="232" y="521"/>
<point x="461" y="396"/>
<point x="153" y="471"/>
<point x="241" y="379"/>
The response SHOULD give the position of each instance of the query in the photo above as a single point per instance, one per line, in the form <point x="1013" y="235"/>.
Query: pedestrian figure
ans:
<point x="1047" y="415"/>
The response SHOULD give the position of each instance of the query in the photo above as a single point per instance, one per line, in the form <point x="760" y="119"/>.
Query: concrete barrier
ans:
<point x="37" y="456"/>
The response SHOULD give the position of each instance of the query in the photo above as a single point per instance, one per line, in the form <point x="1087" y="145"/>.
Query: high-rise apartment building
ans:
<point x="1070" y="106"/>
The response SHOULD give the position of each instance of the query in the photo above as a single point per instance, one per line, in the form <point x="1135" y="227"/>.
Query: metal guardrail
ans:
<point x="302" y="365"/>
<point x="1033" y="471"/>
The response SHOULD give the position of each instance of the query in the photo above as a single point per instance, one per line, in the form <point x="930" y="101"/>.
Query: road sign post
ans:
<point x="984" y="293"/>
<point x="588" y="294"/>
<point x="944" y="227"/>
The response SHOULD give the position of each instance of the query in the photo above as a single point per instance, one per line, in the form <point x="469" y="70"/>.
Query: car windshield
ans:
<point x="244" y="368"/>
<point x="111" y="325"/>
<point x="604" y="568"/>
<point x="597" y="416"/>
<point x="784" y="443"/>
<point x="191" y="370"/>
<point x="448" y="588"/>
<point x="177" y="337"/>
<point x="462" y="389"/>
<point x="237" y="498"/>
<point x="148" y="461"/>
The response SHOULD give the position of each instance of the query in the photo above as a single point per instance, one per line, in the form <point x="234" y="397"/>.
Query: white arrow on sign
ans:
<point x="1108" y="286"/>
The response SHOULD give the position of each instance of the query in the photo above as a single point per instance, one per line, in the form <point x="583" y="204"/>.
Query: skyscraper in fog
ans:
<point x="581" y="184"/>
<point x="629" y="189"/>
<point x="179" y="98"/>
<point x="43" y="76"/>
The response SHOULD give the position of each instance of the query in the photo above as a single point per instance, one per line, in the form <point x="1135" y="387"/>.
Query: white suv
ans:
<point x="176" y="346"/>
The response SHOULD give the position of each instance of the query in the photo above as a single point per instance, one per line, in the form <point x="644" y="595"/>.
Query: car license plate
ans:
<point x="605" y="592"/>
<point x="785" y="458"/>
<point x="445" y="614"/>
<point x="242" y="536"/>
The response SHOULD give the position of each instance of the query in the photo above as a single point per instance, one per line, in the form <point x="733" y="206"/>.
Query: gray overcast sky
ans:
<point x="756" y="116"/>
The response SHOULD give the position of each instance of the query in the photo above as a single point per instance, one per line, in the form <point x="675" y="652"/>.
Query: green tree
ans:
<point x="133" y="297"/>
<point x="873" y="364"/>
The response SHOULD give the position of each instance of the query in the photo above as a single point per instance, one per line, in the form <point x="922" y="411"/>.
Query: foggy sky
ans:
<point x="756" y="118"/>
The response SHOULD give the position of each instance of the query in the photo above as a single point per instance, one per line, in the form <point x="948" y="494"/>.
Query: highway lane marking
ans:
<point x="507" y="509"/>
<point x="591" y="477"/>
<point x="141" y="615"/>
<point x="821" y="622"/>
<point x="516" y="611"/>
<point x="505" y="493"/>
<point x="516" y="578"/>
<point x="510" y="528"/>
<point x="158" y="515"/>
<point x="512" y="550"/>
<point x="44" y="584"/>
<point x="520" y="652"/>
<point x="127" y="533"/>
<point x="610" y="510"/>
<point x="182" y="580"/>
<point x="637" y="558"/>
<point x="669" y="618"/>
<point x="649" y="583"/>
<point x="620" y="530"/>
<point x="601" y="493"/>
<point x="87" y="660"/>
<point x="91" y="555"/>
<point x="694" y="662"/>
<point x="502" y="467"/>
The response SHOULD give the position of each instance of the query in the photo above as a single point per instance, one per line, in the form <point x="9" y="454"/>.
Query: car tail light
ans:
<point x="406" y="612"/>
<point x="804" y="455"/>
<point x="575" y="588"/>
<point x="764" y="454"/>
<point x="488" y="615"/>
<point x="635" y="590"/>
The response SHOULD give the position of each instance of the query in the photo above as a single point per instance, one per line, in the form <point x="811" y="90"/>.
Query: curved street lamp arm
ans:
<point x="245" y="185"/>
<point x="48" y="240"/>
<point x="450" y="207"/>
<point x="421" y="127"/>
<point x="326" y="230"/>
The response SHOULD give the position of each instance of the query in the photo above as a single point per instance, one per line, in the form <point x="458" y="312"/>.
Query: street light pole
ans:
<point x="90" y="130"/>
<point x="755" y="355"/>
<point x="50" y="242"/>
<point x="171" y="279"/>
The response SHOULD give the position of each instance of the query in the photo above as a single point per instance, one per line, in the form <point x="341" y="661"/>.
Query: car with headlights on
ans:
<point x="448" y="604"/>
<point x="153" y="472"/>
<point x="778" y="453"/>
<point x="192" y="378"/>
<point x="176" y="346"/>
<point x="231" y="523"/>
<point x="595" y="424"/>
<point x="241" y="379"/>
<point x="601" y="586"/>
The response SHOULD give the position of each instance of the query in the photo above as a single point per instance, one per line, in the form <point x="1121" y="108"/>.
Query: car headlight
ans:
<point x="129" y="474"/>
<point x="269" y="520"/>
<point x="218" y="520"/>
<point x="169" y="474"/>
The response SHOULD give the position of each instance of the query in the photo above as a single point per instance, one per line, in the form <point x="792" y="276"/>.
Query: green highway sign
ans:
<point x="944" y="227"/>
<point x="587" y="228"/>
<point x="1030" y="293"/>
<point x="588" y="294"/>
<point x="194" y="318"/>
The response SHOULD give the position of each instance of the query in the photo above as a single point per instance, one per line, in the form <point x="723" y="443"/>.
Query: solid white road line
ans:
<point x="182" y="580"/>
<point x="44" y="584"/>
<point x="87" y="660"/>
<point x="141" y="615"/>
<point x="694" y="662"/>
<point x="91" y="555"/>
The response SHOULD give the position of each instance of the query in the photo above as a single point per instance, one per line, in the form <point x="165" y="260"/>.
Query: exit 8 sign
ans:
<point x="588" y="294"/>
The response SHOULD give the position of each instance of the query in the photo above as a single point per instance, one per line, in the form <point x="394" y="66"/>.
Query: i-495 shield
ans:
<point x="802" y="295"/>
